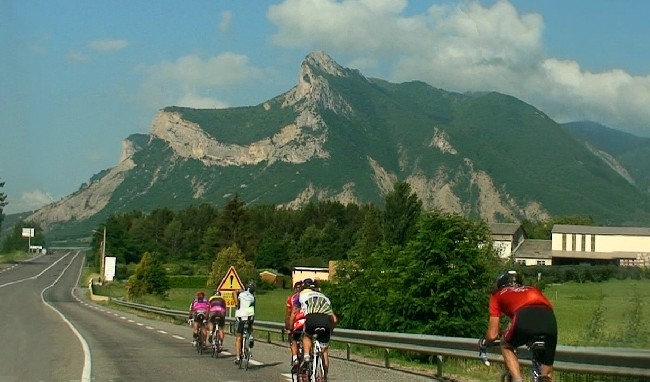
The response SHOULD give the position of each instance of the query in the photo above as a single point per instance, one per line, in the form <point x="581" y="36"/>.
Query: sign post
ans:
<point x="28" y="233"/>
<point x="228" y="286"/>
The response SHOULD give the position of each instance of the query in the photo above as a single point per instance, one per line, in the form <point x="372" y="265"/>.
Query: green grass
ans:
<point x="269" y="305"/>
<point x="575" y="305"/>
<point x="14" y="256"/>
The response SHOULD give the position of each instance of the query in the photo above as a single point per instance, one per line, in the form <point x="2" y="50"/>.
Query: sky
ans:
<point x="77" y="77"/>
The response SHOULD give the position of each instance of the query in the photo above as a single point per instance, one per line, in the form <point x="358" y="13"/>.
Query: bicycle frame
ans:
<point x="317" y="366"/>
<point x="245" y="351"/>
<point x="216" y="341"/>
<point x="535" y="348"/>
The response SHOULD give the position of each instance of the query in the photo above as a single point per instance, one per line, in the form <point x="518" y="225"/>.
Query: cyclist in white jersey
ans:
<point x="318" y="314"/>
<point x="244" y="315"/>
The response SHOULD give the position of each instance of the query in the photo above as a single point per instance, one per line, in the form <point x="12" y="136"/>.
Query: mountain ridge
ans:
<point x="338" y="135"/>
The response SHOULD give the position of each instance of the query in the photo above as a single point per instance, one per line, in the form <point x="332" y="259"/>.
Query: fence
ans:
<point x="611" y="362"/>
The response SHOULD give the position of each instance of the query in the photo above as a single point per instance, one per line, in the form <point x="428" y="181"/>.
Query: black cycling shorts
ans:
<point x="218" y="318"/>
<point x="199" y="316"/>
<point x="239" y="324"/>
<point x="534" y="323"/>
<point x="321" y="324"/>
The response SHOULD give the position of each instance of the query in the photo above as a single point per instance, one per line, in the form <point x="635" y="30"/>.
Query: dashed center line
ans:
<point x="225" y="353"/>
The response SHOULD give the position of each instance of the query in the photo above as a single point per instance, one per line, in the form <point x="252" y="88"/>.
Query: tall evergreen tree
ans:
<point x="402" y="208"/>
<point x="150" y="278"/>
<point x="3" y="203"/>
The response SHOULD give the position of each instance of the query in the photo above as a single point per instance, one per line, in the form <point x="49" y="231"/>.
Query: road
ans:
<point x="51" y="331"/>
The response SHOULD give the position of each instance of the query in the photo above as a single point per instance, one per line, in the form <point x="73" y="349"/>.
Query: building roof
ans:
<point x="595" y="230"/>
<point x="594" y="255"/>
<point x="311" y="269"/>
<point x="504" y="228"/>
<point x="534" y="249"/>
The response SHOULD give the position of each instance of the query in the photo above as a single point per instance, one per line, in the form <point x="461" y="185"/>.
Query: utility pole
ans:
<point x="101" y="266"/>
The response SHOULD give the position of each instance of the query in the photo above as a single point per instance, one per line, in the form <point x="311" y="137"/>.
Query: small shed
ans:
<point x="273" y="277"/>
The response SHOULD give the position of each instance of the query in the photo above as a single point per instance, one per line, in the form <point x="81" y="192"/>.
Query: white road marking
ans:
<point x="178" y="337"/>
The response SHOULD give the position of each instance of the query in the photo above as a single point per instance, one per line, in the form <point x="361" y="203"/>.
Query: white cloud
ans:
<point x="77" y="57"/>
<point x="200" y="102"/>
<point x="225" y="21"/>
<point x="29" y="201"/>
<point x="464" y="47"/>
<point x="197" y="80"/>
<point x="108" y="45"/>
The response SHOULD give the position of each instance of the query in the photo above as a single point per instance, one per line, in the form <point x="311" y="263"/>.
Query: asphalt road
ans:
<point x="50" y="331"/>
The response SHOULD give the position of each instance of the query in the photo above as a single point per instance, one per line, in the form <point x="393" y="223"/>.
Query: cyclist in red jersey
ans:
<point x="531" y="315"/>
<point x="295" y="331"/>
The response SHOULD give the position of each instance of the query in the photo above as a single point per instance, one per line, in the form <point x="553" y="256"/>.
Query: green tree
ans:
<point x="3" y="203"/>
<point x="402" y="208"/>
<point x="15" y="240"/>
<point x="227" y="257"/>
<point x="150" y="277"/>
<point x="437" y="283"/>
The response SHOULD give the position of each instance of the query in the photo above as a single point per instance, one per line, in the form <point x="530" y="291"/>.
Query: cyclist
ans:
<point x="217" y="314"/>
<point x="244" y="315"/>
<point x="294" y="331"/>
<point x="198" y="311"/>
<point x="531" y="315"/>
<point x="318" y="312"/>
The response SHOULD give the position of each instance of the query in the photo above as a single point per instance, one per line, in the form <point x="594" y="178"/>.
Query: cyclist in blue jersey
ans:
<point x="318" y="312"/>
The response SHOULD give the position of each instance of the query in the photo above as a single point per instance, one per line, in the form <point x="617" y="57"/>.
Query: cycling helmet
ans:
<point x="308" y="284"/>
<point x="250" y="287"/>
<point x="297" y="286"/>
<point x="200" y="294"/>
<point x="509" y="278"/>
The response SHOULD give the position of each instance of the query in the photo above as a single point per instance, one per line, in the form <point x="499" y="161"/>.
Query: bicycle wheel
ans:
<point x="241" y="351"/>
<point x="213" y="347"/>
<point x="319" y="372"/>
<point x="247" y="351"/>
<point x="201" y="342"/>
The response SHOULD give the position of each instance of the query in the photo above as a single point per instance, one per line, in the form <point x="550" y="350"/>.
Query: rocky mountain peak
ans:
<point x="313" y="89"/>
<point x="322" y="61"/>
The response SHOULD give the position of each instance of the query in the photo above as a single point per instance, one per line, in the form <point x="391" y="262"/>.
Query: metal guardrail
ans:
<point x="616" y="362"/>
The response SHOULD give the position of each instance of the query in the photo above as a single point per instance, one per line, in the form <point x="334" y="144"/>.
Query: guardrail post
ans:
<point x="347" y="350"/>
<point x="505" y="376"/>
<point x="387" y="358"/>
<point x="438" y="366"/>
<point x="268" y="337"/>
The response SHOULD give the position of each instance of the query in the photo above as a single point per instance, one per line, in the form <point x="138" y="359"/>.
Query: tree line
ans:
<point x="398" y="267"/>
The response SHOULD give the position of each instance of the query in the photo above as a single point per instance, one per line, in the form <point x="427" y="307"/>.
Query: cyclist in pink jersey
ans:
<point x="198" y="312"/>
<point x="217" y="314"/>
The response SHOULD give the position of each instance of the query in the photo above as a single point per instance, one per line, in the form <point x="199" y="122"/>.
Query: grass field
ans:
<point x="624" y="308"/>
<point x="15" y="256"/>
<point x="623" y="304"/>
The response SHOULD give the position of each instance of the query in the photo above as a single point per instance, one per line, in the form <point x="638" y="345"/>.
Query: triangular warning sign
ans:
<point x="231" y="281"/>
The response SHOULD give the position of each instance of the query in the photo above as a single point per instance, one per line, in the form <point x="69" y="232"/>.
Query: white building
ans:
<point x="576" y="244"/>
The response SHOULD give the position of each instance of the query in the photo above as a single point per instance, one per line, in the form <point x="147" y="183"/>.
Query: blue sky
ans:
<point x="78" y="77"/>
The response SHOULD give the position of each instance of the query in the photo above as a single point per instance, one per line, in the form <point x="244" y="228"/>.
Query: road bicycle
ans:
<point x="217" y="346"/>
<point x="315" y="368"/>
<point x="298" y="374"/>
<point x="245" y="351"/>
<point x="201" y="339"/>
<point x="535" y="347"/>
